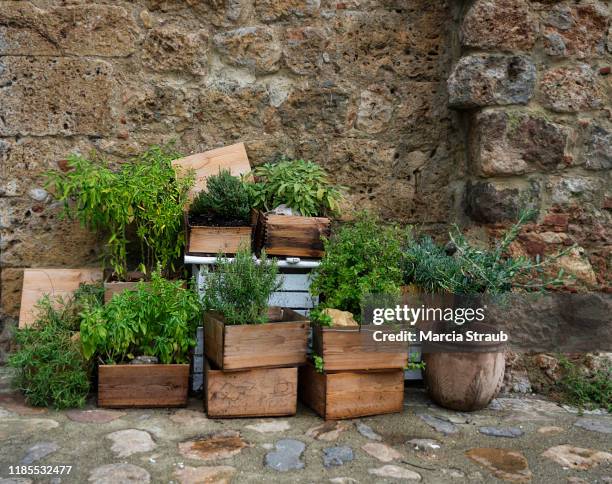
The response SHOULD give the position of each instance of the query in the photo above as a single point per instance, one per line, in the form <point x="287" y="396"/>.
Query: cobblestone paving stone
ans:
<point x="183" y="446"/>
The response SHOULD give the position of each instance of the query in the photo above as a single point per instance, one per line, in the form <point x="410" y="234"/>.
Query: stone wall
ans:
<point x="430" y="111"/>
<point x="534" y="82"/>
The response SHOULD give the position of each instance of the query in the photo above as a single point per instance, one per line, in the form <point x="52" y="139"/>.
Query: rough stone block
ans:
<point x="571" y="89"/>
<point x="375" y="109"/>
<point x="101" y="30"/>
<point x="515" y="142"/>
<point x="271" y="10"/>
<point x="489" y="202"/>
<point x="10" y="291"/>
<point x="488" y="80"/>
<point x="576" y="30"/>
<point x="304" y="49"/>
<point x="256" y="48"/>
<point x="597" y="147"/>
<point x="170" y="48"/>
<point x="504" y="25"/>
<point x="570" y="189"/>
<point x="50" y="96"/>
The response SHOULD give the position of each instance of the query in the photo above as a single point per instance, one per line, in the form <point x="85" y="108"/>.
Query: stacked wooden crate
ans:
<point x="360" y="376"/>
<point x="251" y="370"/>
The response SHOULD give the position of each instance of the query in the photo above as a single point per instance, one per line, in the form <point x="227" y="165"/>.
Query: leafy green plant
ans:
<point x="226" y="198"/>
<point x="317" y="316"/>
<point x="240" y="289"/>
<point x="319" y="364"/>
<point x="301" y="185"/>
<point x="472" y="270"/>
<point x="586" y="391"/>
<point x="51" y="371"/>
<point x="414" y="363"/>
<point x="158" y="319"/>
<point x="142" y="196"/>
<point x="363" y="257"/>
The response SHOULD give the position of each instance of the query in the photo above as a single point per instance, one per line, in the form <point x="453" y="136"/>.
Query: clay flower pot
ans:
<point x="464" y="380"/>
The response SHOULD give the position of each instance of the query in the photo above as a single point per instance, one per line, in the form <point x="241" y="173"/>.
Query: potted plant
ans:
<point x="467" y="375"/>
<point x="351" y="374"/>
<point x="219" y="219"/>
<point x="50" y="368"/>
<point x="252" y="349"/>
<point x="138" y="205"/>
<point x="158" y="321"/>
<point x="294" y="199"/>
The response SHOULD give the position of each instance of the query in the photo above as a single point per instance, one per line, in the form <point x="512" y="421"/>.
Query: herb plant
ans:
<point x="585" y="391"/>
<point x="51" y="371"/>
<point x="361" y="258"/>
<point x="240" y="289"/>
<point x="143" y="197"/>
<point x="301" y="185"/>
<point x="158" y="319"/>
<point x="226" y="198"/>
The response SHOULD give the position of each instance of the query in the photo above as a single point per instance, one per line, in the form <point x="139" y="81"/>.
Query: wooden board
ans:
<point x="54" y="282"/>
<point x="233" y="158"/>
<point x="123" y="386"/>
<point x="261" y="392"/>
<point x="112" y="288"/>
<point x="214" y="240"/>
<point x="274" y="344"/>
<point x="351" y="394"/>
<point x="356" y="349"/>
<point x="293" y="236"/>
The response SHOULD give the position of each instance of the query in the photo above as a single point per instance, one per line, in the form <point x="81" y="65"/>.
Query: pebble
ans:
<point x="396" y="472"/>
<point x="271" y="426"/>
<point x="510" y="465"/>
<point x="336" y="456"/>
<point x="382" y="452"/>
<point x="327" y="431"/>
<point x="577" y="457"/>
<point x="123" y="473"/>
<point x="443" y="426"/>
<point x="218" y="445"/>
<point x="39" y="451"/>
<point x="426" y="445"/>
<point x="509" y="432"/>
<point x="601" y="426"/>
<point x="286" y="455"/>
<point x="130" y="441"/>
<point x="198" y="475"/>
<point x="367" y="432"/>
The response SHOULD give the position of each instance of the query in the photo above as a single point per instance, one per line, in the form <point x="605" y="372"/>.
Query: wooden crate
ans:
<point x="355" y="349"/>
<point x="351" y="394"/>
<point x="123" y="386"/>
<point x="281" y="342"/>
<point x="259" y="392"/>
<point x="56" y="283"/>
<point x="112" y="288"/>
<point x="202" y="240"/>
<point x="292" y="236"/>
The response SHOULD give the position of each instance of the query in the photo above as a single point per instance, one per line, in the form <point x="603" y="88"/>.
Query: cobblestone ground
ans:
<point x="515" y="439"/>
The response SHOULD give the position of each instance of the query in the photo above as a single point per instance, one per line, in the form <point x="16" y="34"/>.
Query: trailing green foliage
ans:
<point x="586" y="391"/>
<point x="158" y="319"/>
<point x="143" y="195"/>
<point x="51" y="371"/>
<point x="471" y="270"/>
<point x="302" y="185"/>
<point x="361" y="258"/>
<point x="317" y="316"/>
<point x="319" y="364"/>
<point x="226" y="197"/>
<point x="240" y="289"/>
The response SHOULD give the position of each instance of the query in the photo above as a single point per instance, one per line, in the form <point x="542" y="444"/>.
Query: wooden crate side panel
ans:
<point x="354" y="394"/>
<point x="122" y="386"/>
<point x="261" y="345"/>
<point x="233" y="158"/>
<point x="54" y="282"/>
<point x="213" y="338"/>
<point x="294" y="236"/>
<point x="311" y="389"/>
<point x="212" y="240"/>
<point x="251" y="393"/>
<point x="112" y="288"/>
<point x="356" y="349"/>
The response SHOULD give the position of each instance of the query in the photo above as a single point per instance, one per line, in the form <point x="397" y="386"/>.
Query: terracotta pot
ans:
<point x="465" y="381"/>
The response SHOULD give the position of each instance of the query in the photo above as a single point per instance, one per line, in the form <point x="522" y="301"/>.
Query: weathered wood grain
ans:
<point x="280" y="343"/>
<point x="351" y="394"/>
<point x="57" y="283"/>
<point x="261" y="392"/>
<point x="289" y="235"/>
<point x="356" y="349"/>
<point x="123" y="386"/>
<point x="213" y="240"/>
<point x="112" y="288"/>
<point x="233" y="158"/>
